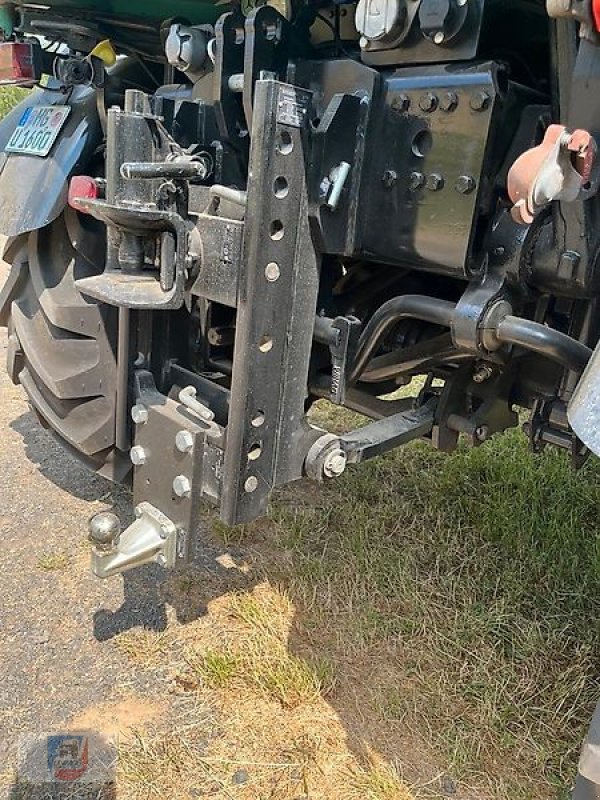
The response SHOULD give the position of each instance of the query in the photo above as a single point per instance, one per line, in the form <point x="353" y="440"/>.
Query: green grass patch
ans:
<point x="478" y="575"/>
<point x="9" y="97"/>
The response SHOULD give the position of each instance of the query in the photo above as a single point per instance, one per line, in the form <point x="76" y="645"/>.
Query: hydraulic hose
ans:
<point x="543" y="340"/>
<point x="410" y="306"/>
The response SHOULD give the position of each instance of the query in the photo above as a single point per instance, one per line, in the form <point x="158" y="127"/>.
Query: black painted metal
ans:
<point x="267" y="436"/>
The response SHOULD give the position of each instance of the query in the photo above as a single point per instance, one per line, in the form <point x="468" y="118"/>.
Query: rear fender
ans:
<point x="33" y="190"/>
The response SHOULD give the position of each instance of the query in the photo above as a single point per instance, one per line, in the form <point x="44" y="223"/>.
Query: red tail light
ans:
<point x="596" y="12"/>
<point x="20" y="63"/>
<point x="82" y="187"/>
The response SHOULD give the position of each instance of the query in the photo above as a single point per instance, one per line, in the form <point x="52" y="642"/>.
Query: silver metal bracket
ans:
<point x="152" y="538"/>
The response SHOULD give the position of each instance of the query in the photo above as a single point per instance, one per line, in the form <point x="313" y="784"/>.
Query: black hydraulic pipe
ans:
<point x="410" y="306"/>
<point x="543" y="340"/>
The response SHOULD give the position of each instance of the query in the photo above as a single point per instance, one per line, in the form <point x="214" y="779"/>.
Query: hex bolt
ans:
<point x="483" y="373"/>
<point x="335" y="463"/>
<point x="416" y="181"/>
<point x="182" y="486"/>
<point x="184" y="441"/>
<point x="389" y="178"/>
<point x="449" y="102"/>
<point x="465" y="184"/>
<point x="428" y="102"/>
<point x="401" y="103"/>
<point x="139" y="414"/>
<point x="480" y="100"/>
<point x="439" y="37"/>
<point x="435" y="182"/>
<point x="137" y="455"/>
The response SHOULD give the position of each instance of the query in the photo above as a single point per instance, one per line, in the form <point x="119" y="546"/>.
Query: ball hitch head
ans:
<point x="151" y="538"/>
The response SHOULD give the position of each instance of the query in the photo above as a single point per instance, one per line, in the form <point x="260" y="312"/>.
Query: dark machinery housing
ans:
<point x="243" y="213"/>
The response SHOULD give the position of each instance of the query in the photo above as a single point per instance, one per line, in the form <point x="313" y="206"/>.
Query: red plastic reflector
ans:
<point x="19" y="63"/>
<point x="596" y="12"/>
<point x="81" y="188"/>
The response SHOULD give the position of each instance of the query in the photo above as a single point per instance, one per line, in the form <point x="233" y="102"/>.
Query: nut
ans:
<point x="137" y="455"/>
<point x="335" y="463"/>
<point x="182" y="486"/>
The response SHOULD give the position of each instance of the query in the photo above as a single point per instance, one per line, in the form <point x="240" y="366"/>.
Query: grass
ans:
<point x="53" y="562"/>
<point x="478" y="574"/>
<point x="9" y="97"/>
<point x="427" y="624"/>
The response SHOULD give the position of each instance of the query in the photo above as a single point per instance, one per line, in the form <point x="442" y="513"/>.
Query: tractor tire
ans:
<point x="61" y="344"/>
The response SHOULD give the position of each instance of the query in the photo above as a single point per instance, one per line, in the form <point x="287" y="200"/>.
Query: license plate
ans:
<point x="37" y="130"/>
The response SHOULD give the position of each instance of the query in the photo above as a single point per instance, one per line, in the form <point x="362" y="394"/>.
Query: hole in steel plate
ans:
<point x="277" y="230"/>
<point x="422" y="143"/>
<point x="280" y="187"/>
<point x="285" y="144"/>
<point x="265" y="343"/>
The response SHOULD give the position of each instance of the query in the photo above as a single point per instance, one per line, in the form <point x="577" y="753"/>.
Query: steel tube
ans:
<point x="410" y="306"/>
<point x="543" y="340"/>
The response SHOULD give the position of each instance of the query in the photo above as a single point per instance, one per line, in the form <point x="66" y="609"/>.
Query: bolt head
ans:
<point x="480" y="100"/>
<point x="435" y="182"/>
<point x="335" y="463"/>
<point x="139" y="414"/>
<point x="465" y="184"/>
<point x="137" y="455"/>
<point x="449" y="101"/>
<point x="428" y="102"/>
<point x="389" y="178"/>
<point x="416" y="181"/>
<point x="182" y="486"/>
<point x="439" y="37"/>
<point x="104" y="528"/>
<point x="483" y="373"/>
<point x="272" y="272"/>
<point x="251" y="484"/>
<point x="184" y="441"/>
<point x="401" y="103"/>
